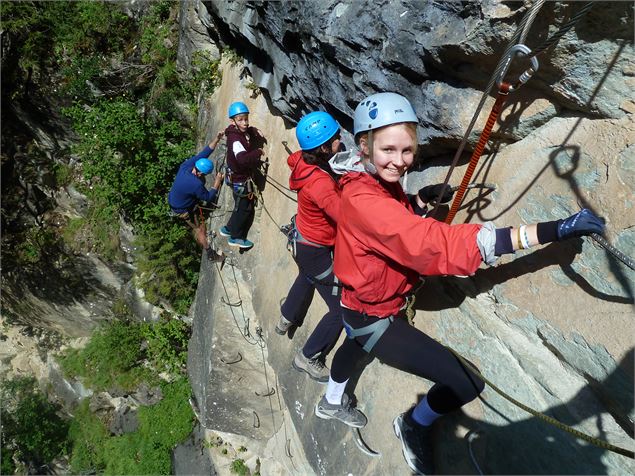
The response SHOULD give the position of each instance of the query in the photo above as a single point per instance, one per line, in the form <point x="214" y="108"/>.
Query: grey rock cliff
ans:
<point x="552" y="327"/>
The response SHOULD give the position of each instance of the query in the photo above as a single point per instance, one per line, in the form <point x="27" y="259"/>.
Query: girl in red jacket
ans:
<point x="380" y="250"/>
<point x="314" y="236"/>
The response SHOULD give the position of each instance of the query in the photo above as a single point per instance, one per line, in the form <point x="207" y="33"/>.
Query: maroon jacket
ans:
<point x="244" y="163"/>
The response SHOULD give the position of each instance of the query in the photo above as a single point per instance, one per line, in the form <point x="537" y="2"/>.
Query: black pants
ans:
<point x="406" y="348"/>
<point x="242" y="216"/>
<point x="313" y="261"/>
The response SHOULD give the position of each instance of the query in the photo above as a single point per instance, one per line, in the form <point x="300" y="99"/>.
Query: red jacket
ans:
<point x="382" y="246"/>
<point x="245" y="163"/>
<point x="318" y="200"/>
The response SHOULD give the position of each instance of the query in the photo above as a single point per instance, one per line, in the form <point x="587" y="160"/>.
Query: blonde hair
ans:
<point x="410" y="127"/>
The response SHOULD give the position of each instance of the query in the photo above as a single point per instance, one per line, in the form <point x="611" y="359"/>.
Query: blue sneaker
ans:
<point x="224" y="231"/>
<point x="243" y="244"/>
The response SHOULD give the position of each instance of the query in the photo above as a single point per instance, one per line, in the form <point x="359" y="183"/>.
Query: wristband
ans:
<point x="522" y="235"/>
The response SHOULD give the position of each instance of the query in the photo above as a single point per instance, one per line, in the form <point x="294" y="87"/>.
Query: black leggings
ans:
<point x="406" y="348"/>
<point x="314" y="261"/>
<point x="242" y="216"/>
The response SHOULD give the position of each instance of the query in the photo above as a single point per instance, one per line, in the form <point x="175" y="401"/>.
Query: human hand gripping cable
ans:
<point x="583" y="223"/>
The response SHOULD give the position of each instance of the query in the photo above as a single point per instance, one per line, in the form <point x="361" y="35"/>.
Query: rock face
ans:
<point x="552" y="327"/>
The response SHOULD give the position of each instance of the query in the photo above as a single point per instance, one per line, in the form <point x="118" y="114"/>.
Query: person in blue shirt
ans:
<point x="188" y="190"/>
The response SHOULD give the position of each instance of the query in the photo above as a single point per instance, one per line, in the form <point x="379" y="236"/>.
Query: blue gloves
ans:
<point x="429" y="193"/>
<point x="580" y="224"/>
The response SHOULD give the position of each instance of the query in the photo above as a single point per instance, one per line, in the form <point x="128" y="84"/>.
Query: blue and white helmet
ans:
<point x="382" y="109"/>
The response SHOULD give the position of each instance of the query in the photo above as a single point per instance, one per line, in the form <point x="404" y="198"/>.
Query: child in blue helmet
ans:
<point x="313" y="238"/>
<point x="381" y="249"/>
<point x="244" y="149"/>
<point x="189" y="189"/>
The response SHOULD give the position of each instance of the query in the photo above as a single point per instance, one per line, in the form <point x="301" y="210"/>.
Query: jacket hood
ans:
<point x="347" y="161"/>
<point x="293" y="159"/>
<point x="232" y="130"/>
<point x="300" y="171"/>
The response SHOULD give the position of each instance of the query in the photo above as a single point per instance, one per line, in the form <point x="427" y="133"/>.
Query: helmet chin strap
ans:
<point x="369" y="165"/>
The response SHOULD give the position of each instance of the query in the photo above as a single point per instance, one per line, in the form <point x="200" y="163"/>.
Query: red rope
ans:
<point x="478" y="151"/>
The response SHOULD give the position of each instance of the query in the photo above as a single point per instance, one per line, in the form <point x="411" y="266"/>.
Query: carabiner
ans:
<point x="524" y="77"/>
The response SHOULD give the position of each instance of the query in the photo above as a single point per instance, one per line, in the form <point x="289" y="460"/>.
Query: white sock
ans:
<point x="334" y="391"/>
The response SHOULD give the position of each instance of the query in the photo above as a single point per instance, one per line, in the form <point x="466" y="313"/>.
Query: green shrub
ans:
<point x="238" y="466"/>
<point x="132" y="137"/>
<point x="115" y="354"/>
<point x="63" y="174"/>
<point x="31" y="428"/>
<point x="232" y="56"/>
<point x="75" y="39"/>
<point x="167" y="344"/>
<point x="145" y="451"/>
<point x="205" y="71"/>
<point x="111" y="359"/>
<point x="33" y="244"/>
<point x="161" y="428"/>
<point x="88" y="438"/>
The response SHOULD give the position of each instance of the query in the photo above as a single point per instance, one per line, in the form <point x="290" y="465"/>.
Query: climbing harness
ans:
<point x="244" y="189"/>
<point x="293" y="237"/>
<point x="376" y="330"/>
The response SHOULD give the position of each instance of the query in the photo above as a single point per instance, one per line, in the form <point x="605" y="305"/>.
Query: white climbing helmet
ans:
<point x="382" y="109"/>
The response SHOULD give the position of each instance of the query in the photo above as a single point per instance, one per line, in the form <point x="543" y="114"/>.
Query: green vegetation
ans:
<point x="111" y="358"/>
<point x="32" y="430"/>
<point x="147" y="450"/>
<point x="232" y="56"/>
<point x="122" y="355"/>
<point x="162" y="426"/>
<point x="238" y="466"/>
<point x="133" y="113"/>
<point x="206" y="71"/>
<point x="34" y="241"/>
<point x="63" y="37"/>
<point x="253" y="88"/>
<point x="115" y="355"/>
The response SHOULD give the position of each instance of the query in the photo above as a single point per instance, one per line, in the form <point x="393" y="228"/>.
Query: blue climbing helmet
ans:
<point x="236" y="108"/>
<point x="315" y="129"/>
<point x="382" y="109"/>
<point x="204" y="166"/>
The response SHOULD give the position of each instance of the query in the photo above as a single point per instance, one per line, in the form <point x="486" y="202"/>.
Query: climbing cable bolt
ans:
<point x="515" y="50"/>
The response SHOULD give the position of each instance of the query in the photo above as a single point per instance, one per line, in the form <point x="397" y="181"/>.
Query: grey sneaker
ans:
<point x="345" y="413"/>
<point x="283" y="326"/>
<point x="416" y="444"/>
<point x="314" y="367"/>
